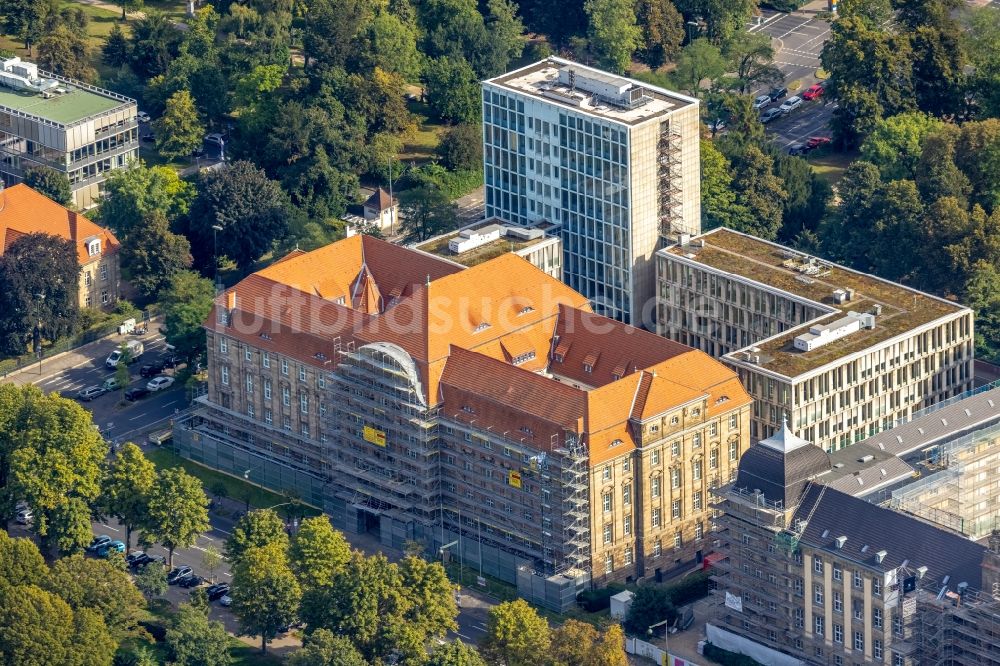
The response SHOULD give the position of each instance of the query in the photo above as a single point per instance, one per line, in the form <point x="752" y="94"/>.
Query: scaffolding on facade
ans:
<point x="668" y="171"/>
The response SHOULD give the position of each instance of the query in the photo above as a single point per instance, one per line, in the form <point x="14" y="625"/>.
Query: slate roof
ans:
<point x="869" y="529"/>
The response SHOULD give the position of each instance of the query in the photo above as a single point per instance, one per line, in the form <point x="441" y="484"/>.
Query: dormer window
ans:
<point x="526" y="309"/>
<point x="481" y="327"/>
<point x="468" y="410"/>
<point x="588" y="367"/>
<point x="615" y="443"/>
<point x="527" y="431"/>
<point x="94" y="247"/>
<point x="523" y="358"/>
<point x="674" y="420"/>
<point x="696" y="412"/>
<point x="558" y="358"/>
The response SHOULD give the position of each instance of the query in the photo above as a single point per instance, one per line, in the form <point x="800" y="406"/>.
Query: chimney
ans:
<point x="231" y="299"/>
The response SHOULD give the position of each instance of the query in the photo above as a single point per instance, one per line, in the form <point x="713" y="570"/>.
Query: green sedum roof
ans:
<point x="64" y="109"/>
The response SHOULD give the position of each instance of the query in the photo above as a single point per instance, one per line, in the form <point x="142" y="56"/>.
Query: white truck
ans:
<point x="134" y="350"/>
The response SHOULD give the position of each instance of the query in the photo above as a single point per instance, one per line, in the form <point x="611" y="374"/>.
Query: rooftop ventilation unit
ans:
<point x="866" y="459"/>
<point x="823" y="334"/>
<point x="880" y="555"/>
<point x="840" y="541"/>
<point x="613" y="90"/>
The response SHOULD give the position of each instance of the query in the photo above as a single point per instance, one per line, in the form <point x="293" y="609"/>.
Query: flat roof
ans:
<point x="813" y="279"/>
<point x="63" y="109"/>
<point x="541" y="80"/>
<point x="439" y="246"/>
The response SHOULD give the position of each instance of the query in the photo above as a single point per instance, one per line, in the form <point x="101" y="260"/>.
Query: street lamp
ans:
<point x="689" y="25"/>
<point x="666" y="633"/>
<point x="216" y="228"/>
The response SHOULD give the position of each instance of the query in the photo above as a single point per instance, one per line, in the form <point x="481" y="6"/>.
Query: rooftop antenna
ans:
<point x="428" y="279"/>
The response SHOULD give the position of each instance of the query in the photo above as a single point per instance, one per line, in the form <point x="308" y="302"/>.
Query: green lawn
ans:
<point x="175" y="9"/>
<point x="101" y="21"/>
<point x="421" y="146"/>
<point x="830" y="166"/>
<point x="236" y="489"/>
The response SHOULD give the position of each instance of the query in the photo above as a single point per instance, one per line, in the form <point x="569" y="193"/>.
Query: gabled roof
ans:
<point x="379" y="200"/>
<point x="24" y="211"/>
<point x="869" y="529"/>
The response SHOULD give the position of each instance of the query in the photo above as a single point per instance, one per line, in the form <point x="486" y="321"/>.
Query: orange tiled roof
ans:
<point x="464" y="327"/>
<point x="24" y="211"/>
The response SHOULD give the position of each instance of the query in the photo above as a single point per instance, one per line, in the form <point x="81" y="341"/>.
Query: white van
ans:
<point x="135" y="350"/>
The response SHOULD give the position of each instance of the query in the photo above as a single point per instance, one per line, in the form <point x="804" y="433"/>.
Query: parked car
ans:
<point x="97" y="543"/>
<point x="110" y="547"/>
<point x="160" y="383"/>
<point x="217" y="591"/>
<point x="215" y="139"/>
<point x="134" y="349"/>
<point x="111" y="384"/>
<point x="159" y="559"/>
<point x="790" y="104"/>
<point x="136" y="392"/>
<point x="814" y="91"/>
<point x="178" y="573"/>
<point x="797" y="149"/>
<point x="142" y="117"/>
<point x="717" y="125"/>
<point x="148" y="138"/>
<point x="778" y="93"/>
<point x="136" y="559"/>
<point x="25" y="517"/>
<point x="761" y="101"/>
<point x="89" y="393"/>
<point x="226" y="601"/>
<point x="191" y="581"/>
<point x="151" y="369"/>
<point x="771" y="114"/>
<point x="814" y="142"/>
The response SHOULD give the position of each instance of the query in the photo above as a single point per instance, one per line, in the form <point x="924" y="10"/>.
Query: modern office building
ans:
<point x="75" y="128"/>
<point x="839" y="353"/>
<point x="613" y="161"/>
<point x="23" y="211"/>
<point x="812" y="575"/>
<point x="536" y="243"/>
<point x="483" y="410"/>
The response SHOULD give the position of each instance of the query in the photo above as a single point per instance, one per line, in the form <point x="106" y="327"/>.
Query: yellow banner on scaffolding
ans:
<point x="514" y="479"/>
<point x="376" y="437"/>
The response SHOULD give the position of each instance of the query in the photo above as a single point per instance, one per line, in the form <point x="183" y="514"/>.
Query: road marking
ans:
<point x="140" y="416"/>
<point x="765" y="22"/>
<point x="226" y="573"/>
<point x="460" y="635"/>
<point x="113" y="529"/>
<point x="792" y="31"/>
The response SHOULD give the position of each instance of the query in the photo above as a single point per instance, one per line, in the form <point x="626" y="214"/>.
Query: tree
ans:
<point x="651" y="604"/>
<point x="154" y="255"/>
<point x="939" y="61"/>
<point x="66" y="53"/>
<point x="36" y="627"/>
<point x="614" y="33"/>
<point x="151" y="580"/>
<point x="759" y="192"/>
<point x="51" y="183"/>
<point x="899" y="213"/>
<point x="752" y="59"/>
<point x="427" y="212"/>
<point x="179" y="130"/>
<point x="573" y="643"/>
<point x="328" y="34"/>
<point x="250" y="208"/>
<point x="461" y="147"/>
<point x="133" y="193"/>
<point x="155" y="42"/>
<point x="186" y="301"/>
<point x="93" y="644"/>
<point x="984" y="53"/>
<point x="895" y="144"/>
<point x="387" y="43"/>
<point x="432" y="608"/>
<point x="194" y="640"/>
<point x="211" y="560"/>
<point x="982" y="294"/>
<point x="937" y="172"/>
<point x="51" y="457"/>
<point x="265" y="593"/>
<point x="20" y="561"/>
<point x="24" y="19"/>
<point x="662" y="31"/>
<point x="318" y="552"/>
<point x="610" y="650"/>
<point x="256" y="529"/>
<point x="177" y="510"/>
<point x="457" y="653"/>
<point x="39" y="286"/>
<point x="121" y="371"/>
<point x="101" y="586"/>
<point x="133" y="5"/>
<point x="115" y="52"/>
<point x="844" y="236"/>
<point x="323" y="648"/>
<point x="718" y="200"/>
<point x="808" y="196"/>
<point x="452" y="90"/>
<point x="874" y="13"/>
<point x="698" y="61"/>
<point x="126" y="487"/>
<point x="515" y="635"/>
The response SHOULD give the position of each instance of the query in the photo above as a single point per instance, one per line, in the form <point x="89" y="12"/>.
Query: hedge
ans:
<point x="727" y="658"/>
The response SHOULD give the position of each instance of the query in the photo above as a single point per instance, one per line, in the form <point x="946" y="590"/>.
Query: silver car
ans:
<point x="91" y="392"/>
<point x="761" y="101"/>
<point x="770" y="114"/>
<point x="791" y="104"/>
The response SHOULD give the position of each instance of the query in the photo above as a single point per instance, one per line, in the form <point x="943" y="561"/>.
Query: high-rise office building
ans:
<point x="74" y="128"/>
<point x="613" y="161"/>
<point x="841" y="354"/>
<point x="484" y="410"/>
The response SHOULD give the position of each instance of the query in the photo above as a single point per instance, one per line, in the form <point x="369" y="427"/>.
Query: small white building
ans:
<point x="620" y="604"/>
<point x="469" y="239"/>
<point x="380" y="208"/>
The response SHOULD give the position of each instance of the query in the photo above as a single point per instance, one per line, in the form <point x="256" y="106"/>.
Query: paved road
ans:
<point x="798" y="39"/>
<point x="84" y="367"/>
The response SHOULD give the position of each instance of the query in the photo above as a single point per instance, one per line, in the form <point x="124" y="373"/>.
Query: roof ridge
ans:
<point x="641" y="393"/>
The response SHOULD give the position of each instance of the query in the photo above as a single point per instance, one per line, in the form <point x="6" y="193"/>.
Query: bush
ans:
<point x="689" y="589"/>
<point x="783" y="5"/>
<point x="597" y="600"/>
<point x="452" y="184"/>
<point x="727" y="658"/>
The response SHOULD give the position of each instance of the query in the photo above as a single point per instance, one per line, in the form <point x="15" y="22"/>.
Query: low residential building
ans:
<point x="538" y="243"/>
<point x="484" y="410"/>
<point x="77" y="129"/>
<point x="839" y="353"/>
<point x="24" y="211"/>
<point x="827" y="578"/>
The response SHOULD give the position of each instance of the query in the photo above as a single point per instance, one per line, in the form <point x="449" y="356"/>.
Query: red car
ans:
<point x="817" y="141"/>
<point x="815" y="91"/>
